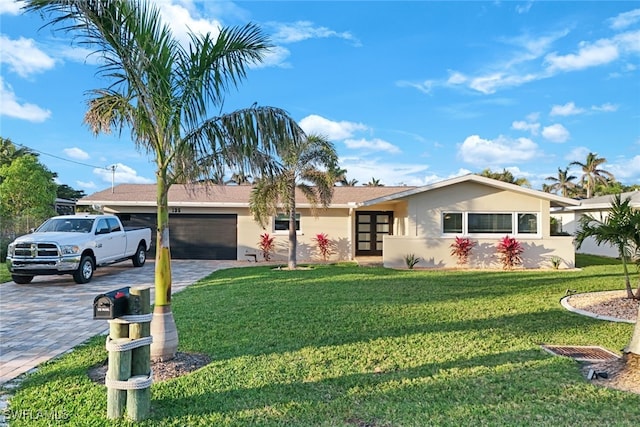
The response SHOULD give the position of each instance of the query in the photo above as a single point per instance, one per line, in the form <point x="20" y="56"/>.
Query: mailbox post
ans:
<point x="129" y="375"/>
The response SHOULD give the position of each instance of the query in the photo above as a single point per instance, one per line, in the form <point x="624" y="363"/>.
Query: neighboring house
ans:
<point x="382" y="222"/>
<point x="598" y="207"/>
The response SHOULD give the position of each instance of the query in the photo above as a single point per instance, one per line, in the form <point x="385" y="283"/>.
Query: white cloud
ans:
<point x="304" y="30"/>
<point x="606" y="108"/>
<point x="626" y="170"/>
<point x="330" y="129"/>
<point x="601" y="52"/>
<point x="629" y="41"/>
<point x="424" y="87"/>
<point x="275" y="57"/>
<point x="88" y="185"/>
<point x="456" y="78"/>
<point x="499" y="152"/>
<point x="123" y="174"/>
<point x="10" y="7"/>
<point x="76" y="153"/>
<point x="388" y="173"/>
<point x="374" y="144"/>
<point x="490" y="83"/>
<point x="534" y="128"/>
<point x="184" y="17"/>
<point x="10" y="106"/>
<point x="524" y="7"/>
<point x="555" y="133"/>
<point x="624" y="19"/>
<point x="23" y="56"/>
<point x="568" y="109"/>
<point x="577" y="154"/>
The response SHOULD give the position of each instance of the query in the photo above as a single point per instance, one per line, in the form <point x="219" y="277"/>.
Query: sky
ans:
<point x="410" y="93"/>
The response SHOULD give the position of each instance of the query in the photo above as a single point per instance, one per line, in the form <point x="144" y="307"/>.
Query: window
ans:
<point x="489" y="223"/>
<point x="452" y="222"/>
<point x="281" y="222"/>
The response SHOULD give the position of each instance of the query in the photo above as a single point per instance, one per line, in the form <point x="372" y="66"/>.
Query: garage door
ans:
<point x="194" y="236"/>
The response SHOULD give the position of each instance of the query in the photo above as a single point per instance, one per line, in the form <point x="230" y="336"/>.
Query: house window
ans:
<point x="281" y="222"/>
<point x="452" y="222"/>
<point x="527" y="223"/>
<point x="499" y="223"/>
<point x="490" y="223"/>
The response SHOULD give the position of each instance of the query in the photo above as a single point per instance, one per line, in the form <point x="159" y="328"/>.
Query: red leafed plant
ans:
<point x="461" y="249"/>
<point x="324" y="245"/>
<point x="266" y="245"/>
<point x="510" y="252"/>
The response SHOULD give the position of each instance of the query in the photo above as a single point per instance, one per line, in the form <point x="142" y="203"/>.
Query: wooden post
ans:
<point x="139" y="401"/>
<point x="119" y="369"/>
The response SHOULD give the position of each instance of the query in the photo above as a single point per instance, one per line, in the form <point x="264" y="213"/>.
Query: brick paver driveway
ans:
<point x="53" y="314"/>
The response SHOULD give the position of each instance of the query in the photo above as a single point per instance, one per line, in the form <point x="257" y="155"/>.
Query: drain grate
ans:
<point x="582" y="353"/>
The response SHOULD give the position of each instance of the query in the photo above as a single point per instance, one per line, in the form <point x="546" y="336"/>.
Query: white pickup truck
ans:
<point x="77" y="245"/>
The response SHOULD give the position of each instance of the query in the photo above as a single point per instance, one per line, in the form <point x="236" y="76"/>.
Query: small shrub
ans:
<point x="555" y="262"/>
<point x="266" y="245"/>
<point x="324" y="245"/>
<point x="411" y="260"/>
<point x="510" y="252"/>
<point x="461" y="249"/>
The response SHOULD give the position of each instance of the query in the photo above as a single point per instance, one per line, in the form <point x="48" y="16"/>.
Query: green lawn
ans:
<point x="356" y="346"/>
<point x="4" y="274"/>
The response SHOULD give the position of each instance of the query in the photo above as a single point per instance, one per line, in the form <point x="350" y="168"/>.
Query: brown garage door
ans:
<point x="194" y="236"/>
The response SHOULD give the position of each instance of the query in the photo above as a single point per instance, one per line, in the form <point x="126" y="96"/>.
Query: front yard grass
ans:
<point x="5" y="276"/>
<point x="354" y="346"/>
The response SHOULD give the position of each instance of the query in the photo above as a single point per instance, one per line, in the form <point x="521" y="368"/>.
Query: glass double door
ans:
<point x="371" y="226"/>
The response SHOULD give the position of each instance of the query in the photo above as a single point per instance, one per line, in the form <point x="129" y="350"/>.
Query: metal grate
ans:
<point x="582" y="353"/>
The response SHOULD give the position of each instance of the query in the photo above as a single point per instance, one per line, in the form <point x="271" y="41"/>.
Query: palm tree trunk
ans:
<point x="293" y="241"/>
<point x="627" y="281"/>
<point x="163" y="326"/>
<point x="634" y="345"/>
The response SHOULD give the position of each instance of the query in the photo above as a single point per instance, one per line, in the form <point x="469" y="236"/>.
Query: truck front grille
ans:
<point x="36" y="250"/>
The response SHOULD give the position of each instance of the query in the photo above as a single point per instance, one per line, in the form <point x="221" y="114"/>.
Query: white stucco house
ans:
<point x="386" y="223"/>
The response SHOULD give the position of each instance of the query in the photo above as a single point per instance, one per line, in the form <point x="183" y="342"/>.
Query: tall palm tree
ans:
<point x="306" y="167"/>
<point x="162" y="91"/>
<point x="339" y="174"/>
<point x="591" y="172"/>
<point x="562" y="182"/>
<point x="349" y="182"/>
<point x="619" y="229"/>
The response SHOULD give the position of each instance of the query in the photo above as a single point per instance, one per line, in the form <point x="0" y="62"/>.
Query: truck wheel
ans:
<point x="140" y="256"/>
<point x="21" y="280"/>
<point x="84" y="273"/>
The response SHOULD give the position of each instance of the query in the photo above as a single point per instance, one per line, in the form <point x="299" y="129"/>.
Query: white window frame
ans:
<point x="514" y="224"/>
<point x="284" y="215"/>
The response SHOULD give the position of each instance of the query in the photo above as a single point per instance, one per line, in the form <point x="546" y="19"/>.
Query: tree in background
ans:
<point x="162" y="91"/>
<point x="65" y="192"/>
<point x="339" y="174"/>
<point x="306" y="166"/>
<point x="562" y="183"/>
<point x="349" y="182"/>
<point x="374" y="182"/>
<point x="592" y="175"/>
<point x="505" y="176"/>
<point x="240" y="178"/>
<point x="27" y="195"/>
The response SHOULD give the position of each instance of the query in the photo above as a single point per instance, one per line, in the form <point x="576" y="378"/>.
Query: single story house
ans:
<point x="380" y="223"/>
<point x="598" y="207"/>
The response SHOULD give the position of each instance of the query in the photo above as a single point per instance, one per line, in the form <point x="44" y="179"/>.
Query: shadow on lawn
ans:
<point x="521" y="383"/>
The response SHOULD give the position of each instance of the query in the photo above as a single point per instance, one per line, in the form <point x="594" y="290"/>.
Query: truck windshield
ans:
<point x="77" y="225"/>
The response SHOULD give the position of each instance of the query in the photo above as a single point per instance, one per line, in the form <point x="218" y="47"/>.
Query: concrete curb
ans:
<point x="565" y="303"/>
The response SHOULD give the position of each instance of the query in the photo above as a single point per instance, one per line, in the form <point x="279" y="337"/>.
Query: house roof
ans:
<point x="222" y="195"/>
<point x="604" y="202"/>
<point x="556" y="201"/>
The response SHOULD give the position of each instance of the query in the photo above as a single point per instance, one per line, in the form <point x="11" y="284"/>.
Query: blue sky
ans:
<point x="409" y="92"/>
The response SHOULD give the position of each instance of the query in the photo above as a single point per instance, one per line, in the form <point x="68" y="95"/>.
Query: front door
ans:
<point x="370" y="227"/>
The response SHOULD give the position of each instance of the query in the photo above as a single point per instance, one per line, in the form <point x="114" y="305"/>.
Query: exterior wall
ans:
<point x="333" y="222"/>
<point x="589" y="246"/>
<point x="435" y="253"/>
<point x="424" y="237"/>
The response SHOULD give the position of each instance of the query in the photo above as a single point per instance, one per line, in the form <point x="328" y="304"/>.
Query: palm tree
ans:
<point x="162" y="90"/>
<point x="591" y="174"/>
<point x="619" y="229"/>
<point x="349" y="182"/>
<point x="339" y="174"/>
<point x="306" y="167"/>
<point x="240" y="178"/>
<point x="562" y="182"/>
<point x="506" y="176"/>
<point x="374" y="182"/>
